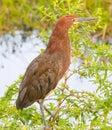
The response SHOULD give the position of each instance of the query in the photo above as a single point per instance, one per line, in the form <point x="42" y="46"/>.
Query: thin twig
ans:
<point x="58" y="108"/>
<point x="48" y="110"/>
<point x="50" y="99"/>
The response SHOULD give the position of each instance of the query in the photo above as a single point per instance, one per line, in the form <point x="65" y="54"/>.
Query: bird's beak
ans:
<point x="86" y="19"/>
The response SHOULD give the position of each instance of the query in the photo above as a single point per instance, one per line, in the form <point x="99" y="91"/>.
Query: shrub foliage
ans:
<point x="69" y="109"/>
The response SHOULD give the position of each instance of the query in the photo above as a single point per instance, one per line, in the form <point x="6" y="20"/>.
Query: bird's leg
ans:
<point x="42" y="112"/>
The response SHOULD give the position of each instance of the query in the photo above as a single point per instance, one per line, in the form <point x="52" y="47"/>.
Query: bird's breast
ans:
<point x="63" y="63"/>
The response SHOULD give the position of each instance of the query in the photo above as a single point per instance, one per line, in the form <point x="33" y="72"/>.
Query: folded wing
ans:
<point x="40" y="78"/>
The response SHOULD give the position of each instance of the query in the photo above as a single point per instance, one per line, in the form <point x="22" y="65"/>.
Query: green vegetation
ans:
<point x="41" y="14"/>
<point x="72" y="110"/>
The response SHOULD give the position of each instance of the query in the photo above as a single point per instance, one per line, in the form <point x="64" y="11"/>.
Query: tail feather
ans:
<point x="23" y="100"/>
<point x="22" y="104"/>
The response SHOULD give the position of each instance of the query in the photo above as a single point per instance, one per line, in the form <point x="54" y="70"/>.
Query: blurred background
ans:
<point x="25" y="28"/>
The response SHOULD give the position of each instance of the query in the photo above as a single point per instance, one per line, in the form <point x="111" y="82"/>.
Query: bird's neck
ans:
<point x="59" y="41"/>
<point x="59" y="48"/>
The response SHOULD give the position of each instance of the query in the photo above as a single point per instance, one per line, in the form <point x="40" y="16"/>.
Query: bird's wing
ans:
<point x="40" y="78"/>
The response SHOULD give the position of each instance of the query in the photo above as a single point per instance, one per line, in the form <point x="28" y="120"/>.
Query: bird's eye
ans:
<point x="73" y="20"/>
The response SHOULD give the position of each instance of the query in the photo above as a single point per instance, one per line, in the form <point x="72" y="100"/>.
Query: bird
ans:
<point x="45" y="71"/>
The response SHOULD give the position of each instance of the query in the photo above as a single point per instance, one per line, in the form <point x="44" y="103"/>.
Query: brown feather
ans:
<point x="44" y="72"/>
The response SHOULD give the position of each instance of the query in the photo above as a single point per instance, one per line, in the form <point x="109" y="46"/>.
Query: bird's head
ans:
<point x="69" y="20"/>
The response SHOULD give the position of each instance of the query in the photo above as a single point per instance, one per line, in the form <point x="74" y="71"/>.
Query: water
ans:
<point x="17" y="51"/>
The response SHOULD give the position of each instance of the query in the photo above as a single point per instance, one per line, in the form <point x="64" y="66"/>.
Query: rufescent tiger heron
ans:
<point x="45" y="71"/>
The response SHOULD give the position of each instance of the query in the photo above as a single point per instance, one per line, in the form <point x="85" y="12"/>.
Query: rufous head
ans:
<point x="68" y="20"/>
